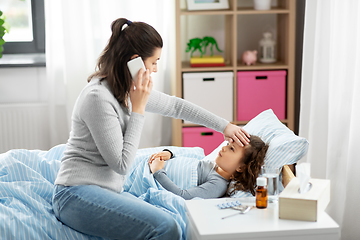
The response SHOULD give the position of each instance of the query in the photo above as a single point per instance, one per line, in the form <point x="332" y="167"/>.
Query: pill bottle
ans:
<point x="261" y="192"/>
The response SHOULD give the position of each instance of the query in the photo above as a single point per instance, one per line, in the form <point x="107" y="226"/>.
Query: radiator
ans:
<point x="24" y="126"/>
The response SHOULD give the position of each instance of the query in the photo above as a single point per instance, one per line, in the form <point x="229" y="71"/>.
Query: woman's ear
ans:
<point x="134" y="56"/>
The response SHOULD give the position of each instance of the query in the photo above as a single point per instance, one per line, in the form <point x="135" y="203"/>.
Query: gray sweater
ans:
<point x="105" y="136"/>
<point x="210" y="184"/>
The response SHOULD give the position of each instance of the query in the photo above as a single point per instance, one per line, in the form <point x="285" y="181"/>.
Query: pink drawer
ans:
<point x="203" y="137"/>
<point x="260" y="90"/>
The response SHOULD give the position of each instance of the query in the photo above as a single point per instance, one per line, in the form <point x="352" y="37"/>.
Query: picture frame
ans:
<point x="207" y="4"/>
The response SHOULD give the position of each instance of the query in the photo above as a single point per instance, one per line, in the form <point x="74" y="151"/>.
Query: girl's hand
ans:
<point x="233" y="133"/>
<point x="164" y="155"/>
<point x="140" y="94"/>
<point x="156" y="165"/>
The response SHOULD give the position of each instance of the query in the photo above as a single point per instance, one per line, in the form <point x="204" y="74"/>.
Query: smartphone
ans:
<point x="134" y="66"/>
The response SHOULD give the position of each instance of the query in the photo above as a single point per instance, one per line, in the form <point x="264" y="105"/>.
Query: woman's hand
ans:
<point x="233" y="133"/>
<point x="140" y="94"/>
<point x="156" y="165"/>
<point x="164" y="155"/>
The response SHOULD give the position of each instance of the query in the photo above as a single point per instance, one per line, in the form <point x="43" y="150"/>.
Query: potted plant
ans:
<point x="3" y="30"/>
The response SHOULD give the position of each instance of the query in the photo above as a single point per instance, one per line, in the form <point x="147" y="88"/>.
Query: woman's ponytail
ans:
<point x="127" y="39"/>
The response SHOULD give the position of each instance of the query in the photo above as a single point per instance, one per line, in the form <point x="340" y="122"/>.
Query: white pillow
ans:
<point x="285" y="147"/>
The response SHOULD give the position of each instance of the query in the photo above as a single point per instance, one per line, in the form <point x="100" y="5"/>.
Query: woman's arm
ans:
<point x="175" y="107"/>
<point x="117" y="148"/>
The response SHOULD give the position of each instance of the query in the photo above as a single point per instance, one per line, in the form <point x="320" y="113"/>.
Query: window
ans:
<point x="26" y="22"/>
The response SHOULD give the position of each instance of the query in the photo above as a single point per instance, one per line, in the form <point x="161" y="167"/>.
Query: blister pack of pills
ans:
<point x="228" y="204"/>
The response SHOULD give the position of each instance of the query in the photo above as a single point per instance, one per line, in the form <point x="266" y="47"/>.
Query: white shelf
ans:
<point x="237" y="19"/>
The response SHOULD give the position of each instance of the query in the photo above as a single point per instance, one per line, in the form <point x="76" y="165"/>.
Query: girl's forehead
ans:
<point x="235" y="145"/>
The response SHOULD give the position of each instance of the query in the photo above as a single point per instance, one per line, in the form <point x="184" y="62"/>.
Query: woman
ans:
<point x="107" y="121"/>
<point x="241" y="165"/>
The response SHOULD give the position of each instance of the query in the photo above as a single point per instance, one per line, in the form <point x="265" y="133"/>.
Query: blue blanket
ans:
<point x="27" y="179"/>
<point x="182" y="170"/>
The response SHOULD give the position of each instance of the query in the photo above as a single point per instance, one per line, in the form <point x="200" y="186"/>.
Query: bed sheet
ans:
<point x="26" y="186"/>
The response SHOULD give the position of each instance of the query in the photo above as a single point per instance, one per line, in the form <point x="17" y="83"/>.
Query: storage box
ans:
<point x="306" y="206"/>
<point x="203" y="137"/>
<point x="210" y="90"/>
<point x="260" y="90"/>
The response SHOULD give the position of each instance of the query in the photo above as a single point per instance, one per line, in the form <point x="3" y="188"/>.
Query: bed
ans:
<point x="27" y="179"/>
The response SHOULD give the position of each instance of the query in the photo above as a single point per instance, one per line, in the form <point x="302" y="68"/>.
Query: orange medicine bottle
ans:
<point x="261" y="192"/>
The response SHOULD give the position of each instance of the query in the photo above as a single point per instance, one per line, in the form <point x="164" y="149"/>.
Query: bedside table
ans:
<point x="204" y="222"/>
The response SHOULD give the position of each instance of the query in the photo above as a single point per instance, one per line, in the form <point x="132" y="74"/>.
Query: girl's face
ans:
<point x="151" y="62"/>
<point x="229" y="158"/>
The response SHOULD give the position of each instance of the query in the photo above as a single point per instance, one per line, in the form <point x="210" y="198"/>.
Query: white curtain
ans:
<point x="77" y="32"/>
<point x="330" y="104"/>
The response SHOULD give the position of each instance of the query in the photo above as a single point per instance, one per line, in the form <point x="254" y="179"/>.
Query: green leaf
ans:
<point x="7" y="27"/>
<point x="1" y="21"/>
<point x="2" y="41"/>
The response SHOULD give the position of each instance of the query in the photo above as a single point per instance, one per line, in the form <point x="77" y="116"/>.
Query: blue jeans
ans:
<point x="100" y="212"/>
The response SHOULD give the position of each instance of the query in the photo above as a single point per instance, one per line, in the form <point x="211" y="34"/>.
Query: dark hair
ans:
<point x="127" y="39"/>
<point x="253" y="159"/>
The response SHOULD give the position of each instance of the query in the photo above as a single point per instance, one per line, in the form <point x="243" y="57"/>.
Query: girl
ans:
<point x="234" y="163"/>
<point x="107" y="121"/>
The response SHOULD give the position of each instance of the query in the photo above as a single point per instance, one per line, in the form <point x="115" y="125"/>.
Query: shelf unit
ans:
<point x="284" y="13"/>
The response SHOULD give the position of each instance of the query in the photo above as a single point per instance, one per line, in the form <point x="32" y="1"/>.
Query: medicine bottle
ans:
<point x="261" y="192"/>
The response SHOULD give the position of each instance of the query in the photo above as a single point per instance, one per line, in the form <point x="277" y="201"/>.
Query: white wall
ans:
<point x="22" y="85"/>
<point x="26" y="87"/>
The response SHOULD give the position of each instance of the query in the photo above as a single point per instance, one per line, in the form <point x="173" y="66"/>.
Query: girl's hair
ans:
<point x="254" y="155"/>
<point x="127" y="39"/>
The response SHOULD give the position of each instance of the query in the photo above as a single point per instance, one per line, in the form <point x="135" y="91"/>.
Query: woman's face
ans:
<point x="229" y="158"/>
<point x="151" y="62"/>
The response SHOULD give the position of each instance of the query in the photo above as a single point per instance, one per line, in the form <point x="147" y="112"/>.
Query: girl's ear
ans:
<point x="240" y="169"/>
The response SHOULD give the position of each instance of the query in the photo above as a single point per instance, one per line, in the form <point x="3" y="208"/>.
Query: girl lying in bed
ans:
<point x="236" y="164"/>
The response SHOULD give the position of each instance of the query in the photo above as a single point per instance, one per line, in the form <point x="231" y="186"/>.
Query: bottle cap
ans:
<point x="261" y="181"/>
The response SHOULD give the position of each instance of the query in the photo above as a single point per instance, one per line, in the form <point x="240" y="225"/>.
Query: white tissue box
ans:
<point x="306" y="206"/>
